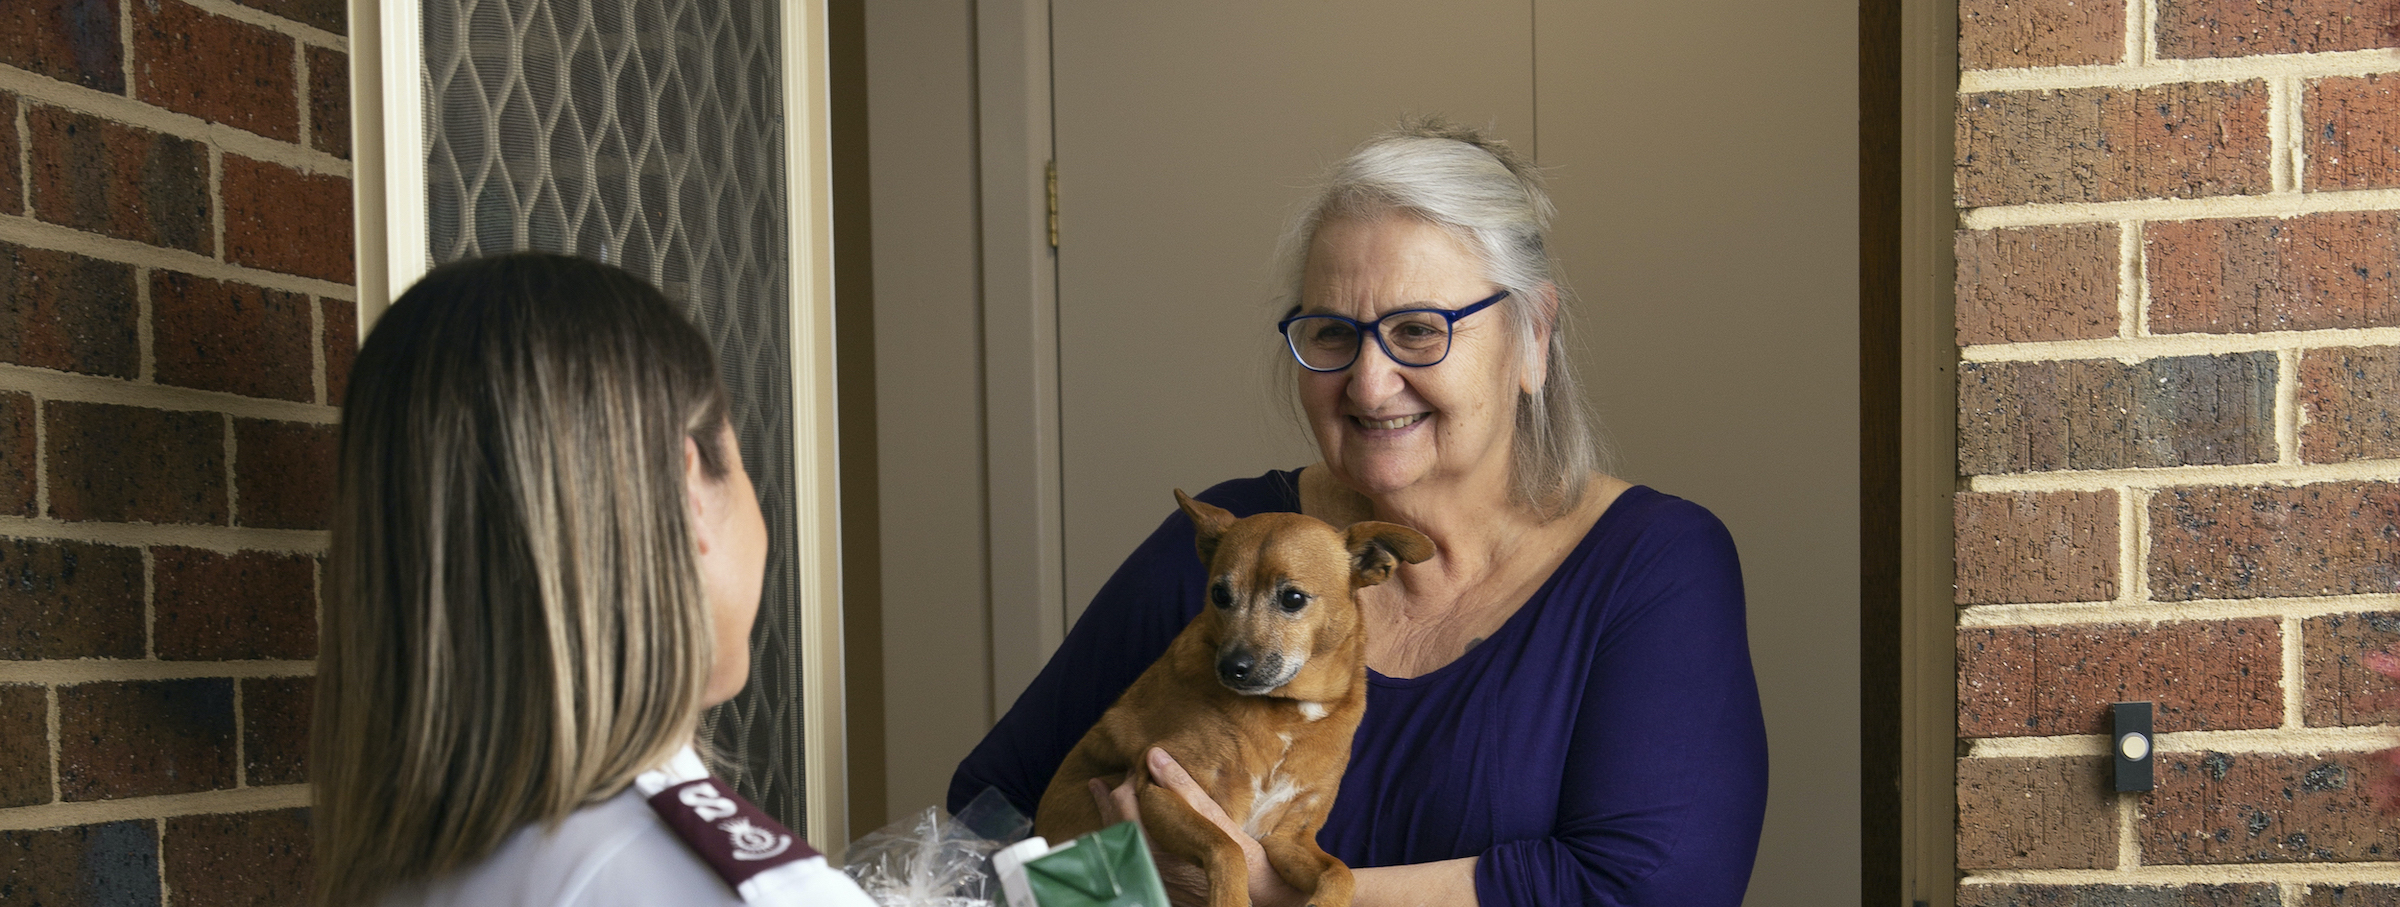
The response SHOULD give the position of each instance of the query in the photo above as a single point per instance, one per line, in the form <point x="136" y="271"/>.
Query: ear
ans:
<point x="1545" y="320"/>
<point x="701" y="497"/>
<point x="1208" y="523"/>
<point x="1376" y="549"/>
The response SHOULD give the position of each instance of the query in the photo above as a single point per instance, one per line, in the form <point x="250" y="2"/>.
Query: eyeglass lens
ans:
<point x="1411" y="338"/>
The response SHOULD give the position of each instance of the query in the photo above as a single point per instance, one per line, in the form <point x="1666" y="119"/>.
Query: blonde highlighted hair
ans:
<point x="514" y="624"/>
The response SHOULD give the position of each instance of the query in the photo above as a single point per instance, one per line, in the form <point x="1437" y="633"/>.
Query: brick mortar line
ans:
<point x="126" y="670"/>
<point x="149" y="603"/>
<point x="2129" y="831"/>
<point x="72" y="388"/>
<point x="2290" y="893"/>
<point x="2149" y="32"/>
<point x="26" y="231"/>
<point x="145" y="327"/>
<point x="241" y="764"/>
<point x="2280" y="178"/>
<point x="216" y="199"/>
<point x="158" y="852"/>
<point x="2194" y="874"/>
<point x="2133" y="303"/>
<point x="24" y="128"/>
<point x="2188" y="476"/>
<point x="1987" y="617"/>
<point x="2167" y="72"/>
<point x="2286" y="741"/>
<point x="2134" y="41"/>
<point x="50" y="706"/>
<point x="2136" y="581"/>
<point x="225" y="539"/>
<point x="2287" y="406"/>
<point x="2297" y="122"/>
<point x="120" y="108"/>
<point x="168" y="806"/>
<point x="125" y="47"/>
<point x="41" y="460"/>
<point x="319" y="383"/>
<point x="309" y="35"/>
<point x="233" y="491"/>
<point x="2295" y="674"/>
<point x="304" y="97"/>
<point x="2130" y="350"/>
<point x="2290" y="204"/>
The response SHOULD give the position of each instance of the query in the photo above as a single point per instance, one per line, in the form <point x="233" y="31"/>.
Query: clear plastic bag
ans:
<point x="930" y="861"/>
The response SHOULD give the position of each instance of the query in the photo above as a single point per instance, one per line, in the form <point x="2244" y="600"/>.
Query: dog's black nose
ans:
<point x="1234" y="667"/>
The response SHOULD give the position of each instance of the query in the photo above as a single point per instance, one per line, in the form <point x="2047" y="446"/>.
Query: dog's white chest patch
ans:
<point x="1313" y="711"/>
<point x="1270" y="792"/>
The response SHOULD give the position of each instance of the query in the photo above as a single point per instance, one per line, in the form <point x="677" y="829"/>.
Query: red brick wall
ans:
<point x="2179" y="446"/>
<point x="176" y="317"/>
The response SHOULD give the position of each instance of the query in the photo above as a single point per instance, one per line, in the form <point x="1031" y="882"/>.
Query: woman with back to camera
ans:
<point x="546" y="560"/>
<point x="1560" y="707"/>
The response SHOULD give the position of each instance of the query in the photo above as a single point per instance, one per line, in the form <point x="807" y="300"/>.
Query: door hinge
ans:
<point x="1050" y="170"/>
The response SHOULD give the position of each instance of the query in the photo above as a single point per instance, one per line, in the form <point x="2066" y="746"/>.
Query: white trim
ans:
<point x="816" y="476"/>
<point x="406" y="254"/>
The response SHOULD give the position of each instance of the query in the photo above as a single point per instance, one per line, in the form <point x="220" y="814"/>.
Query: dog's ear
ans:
<point x="1377" y="548"/>
<point x="1208" y="523"/>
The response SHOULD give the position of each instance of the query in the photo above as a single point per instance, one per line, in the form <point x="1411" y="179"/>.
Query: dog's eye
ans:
<point x="1221" y="594"/>
<point x="1292" y="599"/>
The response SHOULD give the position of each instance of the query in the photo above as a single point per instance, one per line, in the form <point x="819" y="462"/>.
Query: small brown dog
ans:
<point x="1257" y="699"/>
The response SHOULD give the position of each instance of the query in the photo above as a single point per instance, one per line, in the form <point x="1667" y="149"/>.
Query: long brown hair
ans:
<point x="514" y="624"/>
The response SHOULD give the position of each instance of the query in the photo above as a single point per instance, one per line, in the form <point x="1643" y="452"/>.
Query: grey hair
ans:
<point x="1491" y="199"/>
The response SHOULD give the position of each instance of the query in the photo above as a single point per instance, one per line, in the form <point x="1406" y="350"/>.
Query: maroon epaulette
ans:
<point x="735" y="837"/>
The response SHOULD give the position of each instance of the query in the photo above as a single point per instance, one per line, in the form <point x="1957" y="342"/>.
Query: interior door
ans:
<point x="1703" y="156"/>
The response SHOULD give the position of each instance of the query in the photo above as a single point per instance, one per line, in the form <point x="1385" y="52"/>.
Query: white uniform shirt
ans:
<point x="619" y="853"/>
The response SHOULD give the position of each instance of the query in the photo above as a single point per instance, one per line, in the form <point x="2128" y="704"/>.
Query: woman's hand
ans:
<point x="1187" y="885"/>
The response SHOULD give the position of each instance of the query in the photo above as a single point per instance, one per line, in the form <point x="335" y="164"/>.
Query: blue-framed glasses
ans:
<point x="1412" y="337"/>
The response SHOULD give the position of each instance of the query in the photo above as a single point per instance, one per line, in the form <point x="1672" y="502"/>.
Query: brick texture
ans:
<point x="16" y="455"/>
<point x="2037" y="283"/>
<point x="114" y="864"/>
<point x="233" y="337"/>
<point x="2272" y="274"/>
<point x="330" y="15"/>
<point x="239" y="860"/>
<point x="2181" y="140"/>
<point x="2007" y="34"/>
<point x="245" y="605"/>
<point x="2263" y="808"/>
<point x="2036" y="547"/>
<point x="2335" y="538"/>
<point x="24" y="745"/>
<point x="275" y="713"/>
<point x="62" y="311"/>
<point x="121" y="181"/>
<point x="131" y="464"/>
<point x="68" y="40"/>
<point x="2190" y="30"/>
<point x="2020" y="813"/>
<point x="139" y="738"/>
<point x="284" y="220"/>
<point x="2351" y="896"/>
<point x="63" y="599"/>
<point x="329" y="101"/>
<point x="283" y="473"/>
<point x="2353" y="139"/>
<point x="2050" y="680"/>
<point x="2340" y="690"/>
<point x="12" y="165"/>
<point x="341" y="346"/>
<point x="2350" y="404"/>
<point x="2242" y="895"/>
<point x="2104" y="414"/>
<point x="218" y="69"/>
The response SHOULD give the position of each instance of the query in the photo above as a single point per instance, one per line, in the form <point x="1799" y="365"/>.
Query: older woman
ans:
<point x="1561" y="708"/>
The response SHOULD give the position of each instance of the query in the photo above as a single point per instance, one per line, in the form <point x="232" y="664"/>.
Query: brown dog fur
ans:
<point x="1271" y="754"/>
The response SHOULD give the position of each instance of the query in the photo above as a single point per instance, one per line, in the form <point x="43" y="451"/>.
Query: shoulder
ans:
<point x="612" y="852"/>
<point x="1646" y="517"/>
<point x="1277" y="490"/>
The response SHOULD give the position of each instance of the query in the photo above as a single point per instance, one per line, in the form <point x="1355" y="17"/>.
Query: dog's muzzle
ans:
<point x="1250" y="673"/>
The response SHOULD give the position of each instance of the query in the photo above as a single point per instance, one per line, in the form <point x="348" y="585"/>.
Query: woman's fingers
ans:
<point x="1170" y="775"/>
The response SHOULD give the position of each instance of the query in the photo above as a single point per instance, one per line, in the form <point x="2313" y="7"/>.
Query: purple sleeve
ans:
<point x="1666" y="774"/>
<point x="1128" y="624"/>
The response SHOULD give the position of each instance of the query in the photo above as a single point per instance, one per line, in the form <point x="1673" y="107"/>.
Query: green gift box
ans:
<point x="1107" y="868"/>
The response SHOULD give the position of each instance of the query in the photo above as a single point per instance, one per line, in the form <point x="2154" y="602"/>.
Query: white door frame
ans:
<point x="386" y="98"/>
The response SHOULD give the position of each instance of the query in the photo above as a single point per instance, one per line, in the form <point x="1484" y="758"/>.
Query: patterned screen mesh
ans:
<point x="648" y="134"/>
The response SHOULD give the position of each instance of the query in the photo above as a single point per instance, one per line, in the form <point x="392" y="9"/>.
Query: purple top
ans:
<point x="1604" y="746"/>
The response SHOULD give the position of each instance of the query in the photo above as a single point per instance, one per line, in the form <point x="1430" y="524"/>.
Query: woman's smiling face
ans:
<point x="1384" y="427"/>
